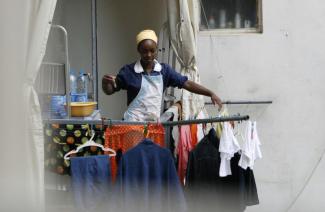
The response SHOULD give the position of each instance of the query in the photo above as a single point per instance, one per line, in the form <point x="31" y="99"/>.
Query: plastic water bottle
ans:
<point x="222" y="18"/>
<point x="57" y="106"/>
<point x="212" y="22"/>
<point x="237" y="21"/>
<point x="73" y="85"/>
<point x="82" y="87"/>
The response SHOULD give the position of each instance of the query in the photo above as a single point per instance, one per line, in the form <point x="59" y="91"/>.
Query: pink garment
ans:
<point x="183" y="148"/>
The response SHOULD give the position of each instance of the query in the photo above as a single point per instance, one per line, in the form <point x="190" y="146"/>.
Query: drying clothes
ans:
<point x="183" y="148"/>
<point x="227" y="148"/>
<point x="62" y="138"/>
<point x="91" y="182"/>
<point x="218" y="125"/>
<point x="207" y="191"/>
<point x="147" y="180"/>
<point x="200" y="131"/>
<point x="194" y="134"/>
<point x="175" y="130"/>
<point x="123" y="137"/>
<point x="251" y="146"/>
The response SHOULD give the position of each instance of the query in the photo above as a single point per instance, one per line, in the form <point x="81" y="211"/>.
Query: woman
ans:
<point x="146" y="80"/>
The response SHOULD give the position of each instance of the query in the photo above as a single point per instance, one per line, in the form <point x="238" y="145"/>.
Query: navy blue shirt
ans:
<point x="148" y="181"/>
<point x="130" y="77"/>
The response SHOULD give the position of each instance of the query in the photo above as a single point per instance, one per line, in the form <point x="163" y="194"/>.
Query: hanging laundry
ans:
<point x="228" y="147"/>
<point x="194" y="134"/>
<point x="218" y="126"/>
<point x="123" y="137"/>
<point x="183" y="148"/>
<point x="175" y="109"/>
<point x="207" y="191"/>
<point x="147" y="180"/>
<point x="251" y="150"/>
<point x="200" y="131"/>
<point x="62" y="138"/>
<point x="91" y="182"/>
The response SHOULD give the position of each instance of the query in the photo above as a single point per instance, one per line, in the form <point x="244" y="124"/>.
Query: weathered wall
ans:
<point x="284" y="64"/>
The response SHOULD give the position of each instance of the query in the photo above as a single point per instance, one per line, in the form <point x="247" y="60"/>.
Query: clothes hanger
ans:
<point x="90" y="143"/>
<point x="145" y="131"/>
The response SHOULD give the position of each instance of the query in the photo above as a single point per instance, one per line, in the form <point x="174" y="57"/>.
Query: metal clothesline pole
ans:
<point x="202" y="121"/>
<point x="165" y="123"/>
<point x="242" y="102"/>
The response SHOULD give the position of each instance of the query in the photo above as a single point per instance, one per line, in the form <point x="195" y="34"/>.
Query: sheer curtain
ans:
<point x="183" y="28"/>
<point x="25" y="29"/>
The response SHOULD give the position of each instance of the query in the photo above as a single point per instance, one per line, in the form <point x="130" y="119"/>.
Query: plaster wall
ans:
<point x="284" y="64"/>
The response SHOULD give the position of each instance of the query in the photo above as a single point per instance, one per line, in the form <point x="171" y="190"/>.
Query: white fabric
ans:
<point x="146" y="106"/>
<point x="139" y="69"/>
<point x="175" y="131"/>
<point x="251" y="150"/>
<point x="42" y="17"/>
<point x="200" y="130"/>
<point x="228" y="146"/>
<point x="25" y="29"/>
<point x="183" y="28"/>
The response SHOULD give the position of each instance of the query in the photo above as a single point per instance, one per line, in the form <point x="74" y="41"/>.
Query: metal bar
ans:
<point x="94" y="49"/>
<point x="201" y="121"/>
<point x="165" y="123"/>
<point x="66" y="67"/>
<point x="242" y="102"/>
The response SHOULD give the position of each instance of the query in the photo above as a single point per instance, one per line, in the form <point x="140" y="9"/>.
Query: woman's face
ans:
<point x="148" y="51"/>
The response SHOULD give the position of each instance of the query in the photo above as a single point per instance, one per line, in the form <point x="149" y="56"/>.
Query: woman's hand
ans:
<point x="110" y="79"/>
<point x="216" y="101"/>
<point x="108" y="84"/>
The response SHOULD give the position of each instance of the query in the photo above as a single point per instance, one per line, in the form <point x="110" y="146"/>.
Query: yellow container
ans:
<point x="81" y="109"/>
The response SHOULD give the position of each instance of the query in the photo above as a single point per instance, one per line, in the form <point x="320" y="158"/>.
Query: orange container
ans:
<point x="82" y="109"/>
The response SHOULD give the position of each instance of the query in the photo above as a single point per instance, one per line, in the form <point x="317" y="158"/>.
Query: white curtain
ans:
<point x="26" y="26"/>
<point x="183" y="28"/>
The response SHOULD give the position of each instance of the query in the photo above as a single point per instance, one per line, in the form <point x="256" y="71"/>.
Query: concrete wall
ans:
<point x="284" y="64"/>
<point x="118" y="24"/>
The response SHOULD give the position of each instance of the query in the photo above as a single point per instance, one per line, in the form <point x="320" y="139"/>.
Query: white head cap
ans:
<point x="147" y="34"/>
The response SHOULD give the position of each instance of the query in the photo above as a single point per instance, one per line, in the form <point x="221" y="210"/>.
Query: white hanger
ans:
<point x="90" y="143"/>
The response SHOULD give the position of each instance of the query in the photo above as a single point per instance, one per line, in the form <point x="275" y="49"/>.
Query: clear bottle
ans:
<point x="82" y="87"/>
<point x="212" y="22"/>
<point x="222" y="18"/>
<point x="73" y="85"/>
<point x="237" y="21"/>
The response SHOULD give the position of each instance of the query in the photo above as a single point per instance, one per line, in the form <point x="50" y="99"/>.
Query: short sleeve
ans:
<point x="121" y="80"/>
<point x="174" y="78"/>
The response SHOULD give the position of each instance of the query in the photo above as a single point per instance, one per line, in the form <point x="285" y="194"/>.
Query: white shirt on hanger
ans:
<point x="228" y="146"/>
<point x="200" y="131"/>
<point x="251" y="146"/>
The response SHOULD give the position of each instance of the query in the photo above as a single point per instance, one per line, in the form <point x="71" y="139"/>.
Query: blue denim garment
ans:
<point x="147" y="180"/>
<point x="91" y="181"/>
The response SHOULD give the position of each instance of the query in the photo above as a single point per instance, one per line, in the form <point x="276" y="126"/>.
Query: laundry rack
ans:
<point x="166" y="124"/>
